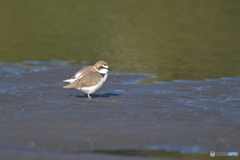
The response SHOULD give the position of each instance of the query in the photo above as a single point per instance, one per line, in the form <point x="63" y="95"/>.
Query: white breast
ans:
<point x="104" y="77"/>
<point x="92" y="89"/>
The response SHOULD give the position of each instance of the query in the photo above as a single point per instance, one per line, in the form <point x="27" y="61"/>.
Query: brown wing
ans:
<point x="89" y="79"/>
<point x="88" y="68"/>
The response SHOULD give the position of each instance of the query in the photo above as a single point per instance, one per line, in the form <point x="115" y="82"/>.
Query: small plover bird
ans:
<point x="89" y="79"/>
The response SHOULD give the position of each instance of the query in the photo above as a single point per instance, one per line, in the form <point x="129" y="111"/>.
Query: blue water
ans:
<point x="39" y="116"/>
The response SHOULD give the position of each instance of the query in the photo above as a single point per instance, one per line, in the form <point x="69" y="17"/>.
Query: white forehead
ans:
<point x="105" y="66"/>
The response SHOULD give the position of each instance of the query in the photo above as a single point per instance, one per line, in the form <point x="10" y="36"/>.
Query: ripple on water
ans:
<point x="182" y="116"/>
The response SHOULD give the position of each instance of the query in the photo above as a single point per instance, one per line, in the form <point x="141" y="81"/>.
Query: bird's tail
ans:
<point x="68" y="86"/>
<point x="69" y="80"/>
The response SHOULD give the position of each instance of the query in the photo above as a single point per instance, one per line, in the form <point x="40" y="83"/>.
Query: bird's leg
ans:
<point x="89" y="96"/>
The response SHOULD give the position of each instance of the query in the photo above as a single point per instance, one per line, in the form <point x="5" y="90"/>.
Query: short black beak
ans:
<point x="109" y="69"/>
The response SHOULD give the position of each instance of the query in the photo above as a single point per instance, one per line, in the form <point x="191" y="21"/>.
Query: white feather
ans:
<point x="77" y="75"/>
<point x="92" y="89"/>
<point x="106" y="66"/>
<point x="69" y="80"/>
<point x="102" y="71"/>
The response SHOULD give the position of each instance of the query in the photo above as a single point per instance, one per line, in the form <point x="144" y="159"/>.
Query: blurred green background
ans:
<point x="172" y="39"/>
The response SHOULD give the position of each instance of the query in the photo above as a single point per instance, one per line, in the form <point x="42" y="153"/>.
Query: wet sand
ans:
<point x="40" y="119"/>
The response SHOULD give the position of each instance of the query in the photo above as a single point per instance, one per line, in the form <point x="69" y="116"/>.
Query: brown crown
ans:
<point x="99" y="63"/>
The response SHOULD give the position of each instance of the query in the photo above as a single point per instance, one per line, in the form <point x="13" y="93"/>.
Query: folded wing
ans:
<point x="85" y="80"/>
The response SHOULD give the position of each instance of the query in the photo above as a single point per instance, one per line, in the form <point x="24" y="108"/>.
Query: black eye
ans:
<point x="101" y="67"/>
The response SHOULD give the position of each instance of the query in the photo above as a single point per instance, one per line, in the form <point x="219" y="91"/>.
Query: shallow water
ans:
<point x="161" y="120"/>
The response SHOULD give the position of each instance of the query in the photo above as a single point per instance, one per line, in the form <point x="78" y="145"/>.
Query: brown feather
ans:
<point x="89" y="79"/>
<point x="99" y="63"/>
<point x="88" y="68"/>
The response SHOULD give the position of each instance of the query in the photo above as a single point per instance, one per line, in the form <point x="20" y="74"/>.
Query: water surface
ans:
<point x="180" y="119"/>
